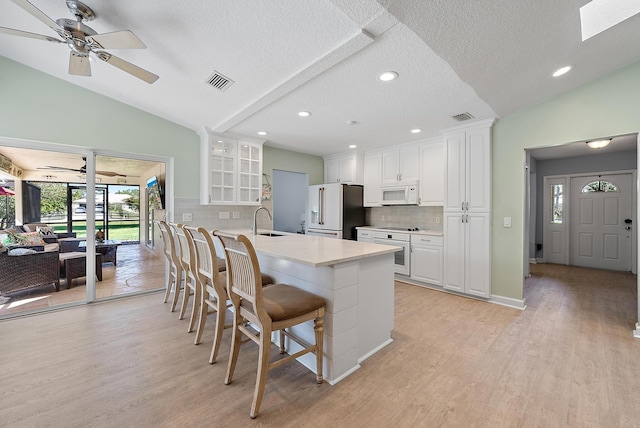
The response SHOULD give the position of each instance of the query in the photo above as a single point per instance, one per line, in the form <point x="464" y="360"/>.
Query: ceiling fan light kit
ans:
<point x="83" y="40"/>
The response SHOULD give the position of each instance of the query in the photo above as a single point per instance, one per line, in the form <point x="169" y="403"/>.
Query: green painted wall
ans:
<point x="39" y="107"/>
<point x="605" y="107"/>
<point x="286" y="160"/>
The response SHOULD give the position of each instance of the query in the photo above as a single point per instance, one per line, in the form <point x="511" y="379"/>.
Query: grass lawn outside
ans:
<point x="121" y="230"/>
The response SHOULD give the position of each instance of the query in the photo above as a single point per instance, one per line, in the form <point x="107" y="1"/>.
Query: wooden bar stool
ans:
<point x="268" y="309"/>
<point x="174" y="279"/>
<point x="190" y="287"/>
<point x="212" y="280"/>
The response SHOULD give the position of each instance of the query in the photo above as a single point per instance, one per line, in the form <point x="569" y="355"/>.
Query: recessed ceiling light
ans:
<point x="351" y="122"/>
<point x="416" y="131"/>
<point x="598" y="144"/>
<point x="262" y="132"/>
<point x="388" y="76"/>
<point x="559" y="72"/>
<point x="304" y="113"/>
<point x="352" y="146"/>
<point x="219" y="141"/>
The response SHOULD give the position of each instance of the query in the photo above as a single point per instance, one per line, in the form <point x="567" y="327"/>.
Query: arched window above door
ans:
<point x="600" y="186"/>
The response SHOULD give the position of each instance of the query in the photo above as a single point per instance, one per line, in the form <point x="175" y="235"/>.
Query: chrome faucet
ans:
<point x="255" y="218"/>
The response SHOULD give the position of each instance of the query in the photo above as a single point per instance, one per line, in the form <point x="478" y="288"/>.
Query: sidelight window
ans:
<point x="557" y="203"/>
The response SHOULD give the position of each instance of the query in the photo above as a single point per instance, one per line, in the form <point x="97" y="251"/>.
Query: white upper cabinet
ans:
<point x="343" y="168"/>
<point x="468" y="172"/>
<point x="231" y="170"/>
<point x="249" y="173"/>
<point x="431" y="185"/>
<point x="372" y="181"/>
<point x="400" y="165"/>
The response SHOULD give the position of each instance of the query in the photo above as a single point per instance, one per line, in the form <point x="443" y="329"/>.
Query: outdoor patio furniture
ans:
<point x="28" y="271"/>
<point x="74" y="265"/>
<point x="108" y="249"/>
<point x="68" y="245"/>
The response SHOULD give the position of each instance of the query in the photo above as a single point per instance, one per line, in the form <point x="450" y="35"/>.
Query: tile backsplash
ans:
<point x="424" y="218"/>
<point x="208" y="216"/>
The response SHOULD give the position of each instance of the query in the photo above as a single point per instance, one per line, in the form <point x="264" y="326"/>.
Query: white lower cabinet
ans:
<point x="467" y="253"/>
<point x="426" y="259"/>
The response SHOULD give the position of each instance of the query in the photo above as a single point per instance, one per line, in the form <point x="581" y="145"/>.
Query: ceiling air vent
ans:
<point x="463" y="116"/>
<point x="219" y="81"/>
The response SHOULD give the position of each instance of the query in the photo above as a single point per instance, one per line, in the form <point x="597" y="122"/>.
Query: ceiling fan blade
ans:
<point x="58" y="168"/>
<point x="123" y="65"/>
<point x="124" y="39"/>
<point x="38" y="14"/>
<point x="110" y="174"/>
<point x="79" y="65"/>
<point x="114" y="174"/>
<point x="13" y="32"/>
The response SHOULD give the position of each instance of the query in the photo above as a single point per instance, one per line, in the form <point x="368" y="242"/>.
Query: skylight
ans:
<point x="599" y="15"/>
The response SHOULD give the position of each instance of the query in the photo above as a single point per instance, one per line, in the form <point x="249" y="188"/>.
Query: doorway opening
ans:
<point x="572" y="222"/>
<point x="290" y="193"/>
<point x="108" y="202"/>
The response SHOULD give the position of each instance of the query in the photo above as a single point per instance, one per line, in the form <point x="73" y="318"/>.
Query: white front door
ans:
<point x="601" y="214"/>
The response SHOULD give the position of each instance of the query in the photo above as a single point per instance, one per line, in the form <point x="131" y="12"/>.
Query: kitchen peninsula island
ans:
<point x="355" y="279"/>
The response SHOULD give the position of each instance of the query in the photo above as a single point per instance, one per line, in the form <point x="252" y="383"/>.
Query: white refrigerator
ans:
<point x="335" y="210"/>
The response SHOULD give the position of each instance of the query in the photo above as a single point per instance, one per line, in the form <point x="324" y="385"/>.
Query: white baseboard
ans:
<point x="636" y="332"/>
<point x="533" y="260"/>
<point x="373" y="351"/>
<point x="508" y="301"/>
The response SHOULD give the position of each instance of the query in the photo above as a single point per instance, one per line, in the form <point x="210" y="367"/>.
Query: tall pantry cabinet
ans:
<point x="467" y="217"/>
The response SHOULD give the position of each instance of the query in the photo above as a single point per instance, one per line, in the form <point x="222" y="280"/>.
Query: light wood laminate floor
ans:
<point x="569" y="360"/>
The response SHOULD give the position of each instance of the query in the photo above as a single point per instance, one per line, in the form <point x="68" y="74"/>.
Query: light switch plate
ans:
<point x="187" y="216"/>
<point x="236" y="214"/>
<point x="223" y="215"/>
<point x="507" y="222"/>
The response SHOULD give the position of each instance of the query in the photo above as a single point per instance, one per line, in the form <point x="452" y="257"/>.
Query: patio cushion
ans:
<point x="30" y="238"/>
<point x="21" y="251"/>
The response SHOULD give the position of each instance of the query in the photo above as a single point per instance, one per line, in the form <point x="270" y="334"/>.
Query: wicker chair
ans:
<point x="29" y="271"/>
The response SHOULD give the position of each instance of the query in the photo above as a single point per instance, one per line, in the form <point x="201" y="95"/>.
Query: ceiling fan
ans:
<point x="83" y="40"/>
<point x="83" y="170"/>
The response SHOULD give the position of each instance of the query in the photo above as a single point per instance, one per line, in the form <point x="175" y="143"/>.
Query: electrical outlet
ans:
<point x="236" y="214"/>
<point x="437" y="220"/>
<point x="187" y="216"/>
<point x="223" y="215"/>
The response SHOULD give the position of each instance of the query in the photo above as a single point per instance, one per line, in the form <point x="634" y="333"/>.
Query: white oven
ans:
<point x="402" y="257"/>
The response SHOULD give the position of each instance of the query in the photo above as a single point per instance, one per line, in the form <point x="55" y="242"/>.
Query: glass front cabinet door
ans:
<point x="231" y="170"/>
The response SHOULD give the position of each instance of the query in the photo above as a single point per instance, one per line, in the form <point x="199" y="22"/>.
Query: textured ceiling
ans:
<point x="489" y="58"/>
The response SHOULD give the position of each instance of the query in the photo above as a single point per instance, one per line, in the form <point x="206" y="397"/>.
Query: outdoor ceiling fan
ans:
<point x="83" y="40"/>
<point x="83" y="170"/>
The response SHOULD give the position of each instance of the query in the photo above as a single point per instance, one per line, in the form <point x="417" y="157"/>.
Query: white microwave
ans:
<point x="400" y="195"/>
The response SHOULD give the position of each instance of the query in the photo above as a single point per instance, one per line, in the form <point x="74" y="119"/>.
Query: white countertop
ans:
<point x="313" y="250"/>
<point x="413" y="232"/>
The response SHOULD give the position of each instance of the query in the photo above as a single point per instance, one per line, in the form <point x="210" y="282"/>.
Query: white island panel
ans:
<point x="353" y="332"/>
<point x="355" y="279"/>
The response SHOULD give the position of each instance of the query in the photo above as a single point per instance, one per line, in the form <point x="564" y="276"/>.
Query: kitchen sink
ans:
<point x="269" y="234"/>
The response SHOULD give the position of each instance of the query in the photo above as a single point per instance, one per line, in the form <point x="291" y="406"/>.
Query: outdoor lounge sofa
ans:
<point x="24" y="271"/>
